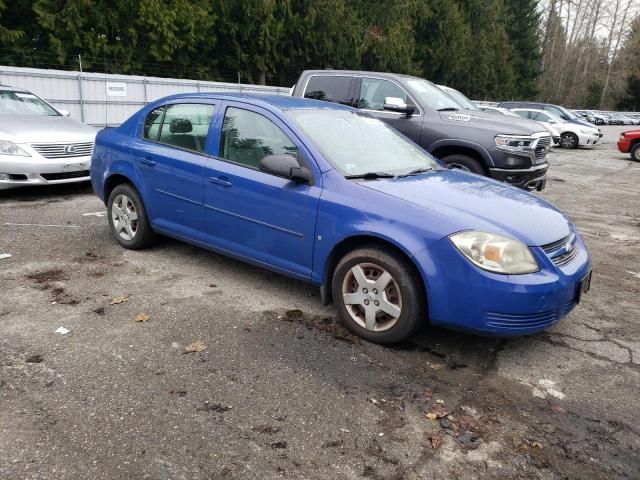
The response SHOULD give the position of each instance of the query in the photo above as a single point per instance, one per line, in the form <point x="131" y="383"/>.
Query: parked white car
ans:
<point x="40" y="145"/>
<point x="572" y="135"/>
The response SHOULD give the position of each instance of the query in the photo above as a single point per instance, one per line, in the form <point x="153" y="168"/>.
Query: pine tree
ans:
<point x="521" y="23"/>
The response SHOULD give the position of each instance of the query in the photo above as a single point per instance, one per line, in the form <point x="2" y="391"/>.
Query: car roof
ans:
<point x="355" y="72"/>
<point x="282" y="102"/>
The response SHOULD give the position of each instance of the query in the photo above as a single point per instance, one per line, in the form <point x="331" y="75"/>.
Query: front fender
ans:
<point x="455" y="142"/>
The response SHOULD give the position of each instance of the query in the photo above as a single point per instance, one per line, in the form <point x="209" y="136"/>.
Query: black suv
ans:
<point x="505" y="148"/>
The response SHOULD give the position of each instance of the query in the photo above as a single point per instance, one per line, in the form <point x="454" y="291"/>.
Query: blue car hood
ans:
<point x="471" y="202"/>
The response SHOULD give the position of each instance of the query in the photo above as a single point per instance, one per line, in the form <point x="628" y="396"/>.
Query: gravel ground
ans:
<point x="283" y="391"/>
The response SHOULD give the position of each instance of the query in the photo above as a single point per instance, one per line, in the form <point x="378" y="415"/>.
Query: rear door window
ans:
<point x="185" y="126"/>
<point x="334" y="89"/>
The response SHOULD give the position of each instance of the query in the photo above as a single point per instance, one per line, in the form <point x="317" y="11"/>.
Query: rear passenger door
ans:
<point x="170" y="157"/>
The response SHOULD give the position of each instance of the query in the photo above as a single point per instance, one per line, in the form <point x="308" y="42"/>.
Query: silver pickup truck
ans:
<point x="505" y="148"/>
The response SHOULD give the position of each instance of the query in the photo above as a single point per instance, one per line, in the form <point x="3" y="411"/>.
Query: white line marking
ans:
<point x="39" y="225"/>
<point x="4" y="255"/>
<point x="94" y="214"/>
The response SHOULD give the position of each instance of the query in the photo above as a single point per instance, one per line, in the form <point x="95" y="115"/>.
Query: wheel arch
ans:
<point x="477" y="152"/>
<point x="353" y="242"/>
<point x="121" y="173"/>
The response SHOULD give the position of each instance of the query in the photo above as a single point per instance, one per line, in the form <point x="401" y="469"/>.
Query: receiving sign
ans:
<point x="116" y="89"/>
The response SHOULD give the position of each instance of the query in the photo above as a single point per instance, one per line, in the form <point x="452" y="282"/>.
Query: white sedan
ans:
<point x="40" y="145"/>
<point x="572" y="135"/>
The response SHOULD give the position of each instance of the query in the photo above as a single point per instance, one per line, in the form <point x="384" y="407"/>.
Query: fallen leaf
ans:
<point x="141" y="317"/>
<point x="121" y="299"/>
<point x="437" y="410"/>
<point x="441" y="402"/>
<point x="196" y="346"/>
<point x="431" y="416"/>
<point x="537" y="445"/>
<point x="435" y="441"/>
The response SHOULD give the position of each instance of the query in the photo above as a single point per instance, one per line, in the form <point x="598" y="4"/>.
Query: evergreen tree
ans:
<point x="522" y="23"/>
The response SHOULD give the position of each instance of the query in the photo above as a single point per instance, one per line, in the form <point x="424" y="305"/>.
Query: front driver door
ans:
<point x="371" y="93"/>
<point x="251" y="213"/>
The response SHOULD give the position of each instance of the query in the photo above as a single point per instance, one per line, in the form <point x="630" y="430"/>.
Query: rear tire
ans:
<point x="635" y="152"/>
<point x="464" y="162"/>
<point x="379" y="295"/>
<point x="128" y="218"/>
<point x="569" y="140"/>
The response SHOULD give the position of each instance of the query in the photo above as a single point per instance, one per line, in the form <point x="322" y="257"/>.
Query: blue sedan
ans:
<point x="328" y="195"/>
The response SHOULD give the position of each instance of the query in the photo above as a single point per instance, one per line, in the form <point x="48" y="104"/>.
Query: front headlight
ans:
<point x="495" y="253"/>
<point x="10" y="148"/>
<point x="515" y="144"/>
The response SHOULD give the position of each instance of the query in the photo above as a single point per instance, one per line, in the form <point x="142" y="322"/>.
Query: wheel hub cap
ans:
<point x="372" y="297"/>
<point x="125" y="217"/>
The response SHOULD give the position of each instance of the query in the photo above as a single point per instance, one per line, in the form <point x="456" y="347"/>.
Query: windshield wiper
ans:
<point x="416" y="172"/>
<point x="448" y="109"/>
<point x="370" y="175"/>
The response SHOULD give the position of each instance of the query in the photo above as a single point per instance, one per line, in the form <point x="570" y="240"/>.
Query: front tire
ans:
<point x="569" y="140"/>
<point x="379" y="295"/>
<point x="464" y="162"/>
<point x="128" y="218"/>
<point x="635" y="152"/>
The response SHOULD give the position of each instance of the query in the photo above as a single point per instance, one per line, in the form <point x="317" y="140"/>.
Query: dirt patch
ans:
<point x="48" y="280"/>
<point x="327" y="325"/>
<point x="47" y="276"/>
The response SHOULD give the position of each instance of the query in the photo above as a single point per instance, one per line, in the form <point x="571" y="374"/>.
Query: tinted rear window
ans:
<point x="330" y="89"/>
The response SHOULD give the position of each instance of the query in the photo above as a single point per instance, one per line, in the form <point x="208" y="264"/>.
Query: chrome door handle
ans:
<point x="222" y="181"/>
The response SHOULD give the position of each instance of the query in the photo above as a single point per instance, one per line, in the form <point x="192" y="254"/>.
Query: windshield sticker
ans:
<point x="460" y="117"/>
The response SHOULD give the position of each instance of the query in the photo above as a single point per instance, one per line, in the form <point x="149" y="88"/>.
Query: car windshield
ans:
<point x="24" y="103"/>
<point x="356" y="143"/>
<point x="460" y="98"/>
<point x="567" y="113"/>
<point x="431" y="96"/>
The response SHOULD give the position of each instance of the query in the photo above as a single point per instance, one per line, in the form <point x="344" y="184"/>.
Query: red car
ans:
<point x="629" y="141"/>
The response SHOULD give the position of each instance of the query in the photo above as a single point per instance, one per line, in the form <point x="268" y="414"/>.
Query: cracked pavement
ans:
<point x="281" y="389"/>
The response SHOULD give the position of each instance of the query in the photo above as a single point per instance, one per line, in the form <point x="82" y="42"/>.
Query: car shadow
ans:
<point x="42" y="192"/>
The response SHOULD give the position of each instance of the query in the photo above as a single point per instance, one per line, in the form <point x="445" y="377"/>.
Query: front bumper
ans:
<point x="38" y="170"/>
<point x="624" y="145"/>
<point x="584" y="139"/>
<point x="464" y="297"/>
<point x="534" y="178"/>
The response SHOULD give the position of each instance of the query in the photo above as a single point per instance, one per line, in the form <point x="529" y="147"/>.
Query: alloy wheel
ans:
<point x="125" y="217"/>
<point x="372" y="297"/>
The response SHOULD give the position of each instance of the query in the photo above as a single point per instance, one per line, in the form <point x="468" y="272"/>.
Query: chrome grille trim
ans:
<point x="558" y="252"/>
<point x="63" y="150"/>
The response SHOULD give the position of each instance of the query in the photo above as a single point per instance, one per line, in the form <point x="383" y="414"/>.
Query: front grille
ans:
<point x="542" y="148"/>
<point x="530" y="320"/>
<point x="533" y="320"/>
<point x="562" y="251"/>
<point x="65" y="175"/>
<point x="63" y="150"/>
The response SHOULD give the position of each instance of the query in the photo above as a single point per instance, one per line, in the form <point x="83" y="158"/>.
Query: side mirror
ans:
<point x="64" y="113"/>
<point x="395" y="104"/>
<point x="286" y="166"/>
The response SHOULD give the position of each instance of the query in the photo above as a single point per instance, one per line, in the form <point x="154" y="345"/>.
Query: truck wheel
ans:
<point x="569" y="140"/>
<point x="128" y="218"/>
<point x="464" y="162"/>
<point x="635" y="152"/>
<point x="378" y="295"/>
